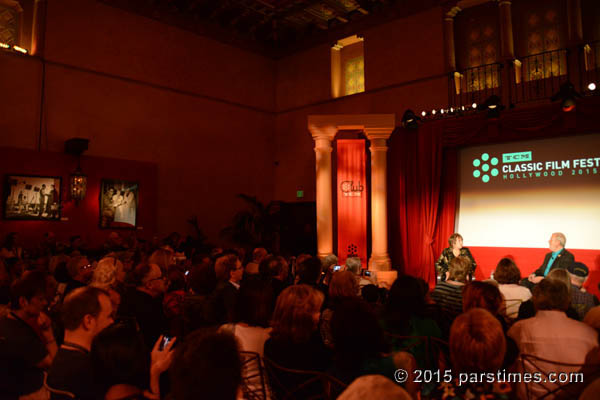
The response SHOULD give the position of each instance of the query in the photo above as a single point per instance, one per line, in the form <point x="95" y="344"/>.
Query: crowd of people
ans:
<point x="141" y="320"/>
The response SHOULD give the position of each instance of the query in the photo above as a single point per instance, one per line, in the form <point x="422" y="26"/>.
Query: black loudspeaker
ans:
<point x="76" y="146"/>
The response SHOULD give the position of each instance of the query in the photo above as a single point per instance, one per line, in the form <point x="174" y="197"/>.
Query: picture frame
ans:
<point x="32" y="197"/>
<point x="118" y="204"/>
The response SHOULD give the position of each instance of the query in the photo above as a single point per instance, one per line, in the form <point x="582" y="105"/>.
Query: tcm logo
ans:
<point x="350" y="190"/>
<point x="516" y="157"/>
<point x="485" y="167"/>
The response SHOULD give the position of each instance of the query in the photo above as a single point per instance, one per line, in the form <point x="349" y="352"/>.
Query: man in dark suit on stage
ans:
<point x="559" y="257"/>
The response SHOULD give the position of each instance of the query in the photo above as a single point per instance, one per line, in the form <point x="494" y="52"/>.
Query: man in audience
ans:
<point x="581" y="301"/>
<point x="559" y="257"/>
<point x="144" y="302"/>
<point x="85" y="312"/>
<point x="309" y="271"/>
<point x="27" y="344"/>
<point x="551" y="335"/>
<point x="258" y="255"/>
<point x="80" y="272"/>
<point x="275" y="270"/>
<point x="354" y="264"/>
<point x="229" y="273"/>
<point x="206" y="366"/>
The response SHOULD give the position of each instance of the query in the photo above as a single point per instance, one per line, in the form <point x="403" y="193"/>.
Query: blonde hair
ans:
<point x="163" y="258"/>
<point x="294" y="315"/>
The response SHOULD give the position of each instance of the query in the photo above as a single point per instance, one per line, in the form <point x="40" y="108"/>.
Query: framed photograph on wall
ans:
<point x="29" y="197"/>
<point x="118" y="204"/>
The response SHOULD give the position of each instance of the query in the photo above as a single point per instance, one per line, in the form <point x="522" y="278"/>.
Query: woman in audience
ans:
<point x="404" y="315"/>
<point x="343" y="285"/>
<point x="508" y="275"/>
<point x="164" y="258"/>
<point x="477" y="346"/>
<point x="295" y="341"/>
<point x="487" y="296"/>
<point x="122" y="364"/>
<point x="527" y="309"/>
<point x="252" y="315"/>
<point x="448" y="294"/>
<point x="456" y="249"/>
<point x="359" y="344"/>
<point x="109" y="275"/>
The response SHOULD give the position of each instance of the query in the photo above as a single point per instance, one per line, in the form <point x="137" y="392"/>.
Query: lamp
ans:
<point x="493" y="106"/>
<point x="410" y="120"/>
<point x="77" y="180"/>
<point x="567" y="94"/>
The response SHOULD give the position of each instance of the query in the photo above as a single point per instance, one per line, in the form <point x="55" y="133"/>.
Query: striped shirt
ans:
<point x="448" y="297"/>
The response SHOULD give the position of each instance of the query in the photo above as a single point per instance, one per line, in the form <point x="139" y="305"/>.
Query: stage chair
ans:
<point x="254" y="385"/>
<point x="568" y="390"/>
<point x="289" y="384"/>
<point x="56" y="394"/>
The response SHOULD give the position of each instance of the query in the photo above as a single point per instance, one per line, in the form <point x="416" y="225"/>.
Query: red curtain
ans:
<point x="415" y="174"/>
<point x="351" y="199"/>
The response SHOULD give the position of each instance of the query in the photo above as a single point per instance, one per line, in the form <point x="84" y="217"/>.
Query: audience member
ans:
<point x="343" y="285"/>
<point x="309" y="271"/>
<point x="508" y="275"/>
<point x="258" y="255"/>
<point x="359" y="344"/>
<point x="274" y="269"/>
<point x="85" y="313"/>
<point x="198" y="305"/>
<point x="144" y="302"/>
<point x="295" y="341"/>
<point x="229" y="272"/>
<point x="527" y="308"/>
<point x="122" y="366"/>
<point x="11" y="248"/>
<point x="551" y="335"/>
<point x="28" y="346"/>
<point x="374" y="387"/>
<point x="448" y="293"/>
<point x="164" y="258"/>
<point x="477" y="346"/>
<point x="206" y="365"/>
<point x="354" y="265"/>
<point x="109" y="275"/>
<point x="404" y="315"/>
<point x="581" y="301"/>
<point x="80" y="272"/>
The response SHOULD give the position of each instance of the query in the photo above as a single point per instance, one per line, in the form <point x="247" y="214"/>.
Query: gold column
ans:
<point x="506" y="32"/>
<point x="323" y="135"/>
<point x="380" y="258"/>
<point x="449" y="38"/>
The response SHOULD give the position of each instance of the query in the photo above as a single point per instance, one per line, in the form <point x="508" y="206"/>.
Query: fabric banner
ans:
<point x="351" y="200"/>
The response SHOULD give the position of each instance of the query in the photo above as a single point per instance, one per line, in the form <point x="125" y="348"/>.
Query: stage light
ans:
<point x="592" y="86"/>
<point x="410" y="120"/>
<point x="451" y="109"/>
<point x="442" y="111"/>
<point x="432" y="112"/>
<point x="4" y="45"/>
<point x="423" y="113"/>
<point x="568" y="95"/>
<point x="19" y="49"/>
<point x="474" y="106"/>
<point x="463" y="108"/>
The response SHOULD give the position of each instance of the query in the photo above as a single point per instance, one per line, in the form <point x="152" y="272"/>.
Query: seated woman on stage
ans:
<point x="455" y="249"/>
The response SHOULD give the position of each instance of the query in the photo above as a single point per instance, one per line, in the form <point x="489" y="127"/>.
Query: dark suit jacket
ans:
<point x="225" y="297"/>
<point x="563" y="260"/>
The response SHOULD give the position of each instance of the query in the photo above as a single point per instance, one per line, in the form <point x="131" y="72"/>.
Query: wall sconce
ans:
<point x="77" y="180"/>
<point x="77" y="185"/>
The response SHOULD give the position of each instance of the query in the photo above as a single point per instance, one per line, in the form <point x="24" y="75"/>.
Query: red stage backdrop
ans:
<point x="351" y="199"/>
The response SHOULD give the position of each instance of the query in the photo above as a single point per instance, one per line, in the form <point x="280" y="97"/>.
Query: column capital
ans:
<point x="504" y="2"/>
<point x="451" y="10"/>
<point x="329" y="125"/>
<point x="378" y="135"/>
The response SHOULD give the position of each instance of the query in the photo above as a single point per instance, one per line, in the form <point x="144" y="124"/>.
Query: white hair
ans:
<point x="329" y="260"/>
<point x="353" y="264"/>
<point x="562" y="239"/>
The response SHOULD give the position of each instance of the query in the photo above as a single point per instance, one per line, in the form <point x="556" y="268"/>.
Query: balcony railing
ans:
<point x="475" y="85"/>
<point x="537" y="76"/>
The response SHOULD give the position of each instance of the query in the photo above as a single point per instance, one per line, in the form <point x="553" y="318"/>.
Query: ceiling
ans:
<point x="274" y="28"/>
